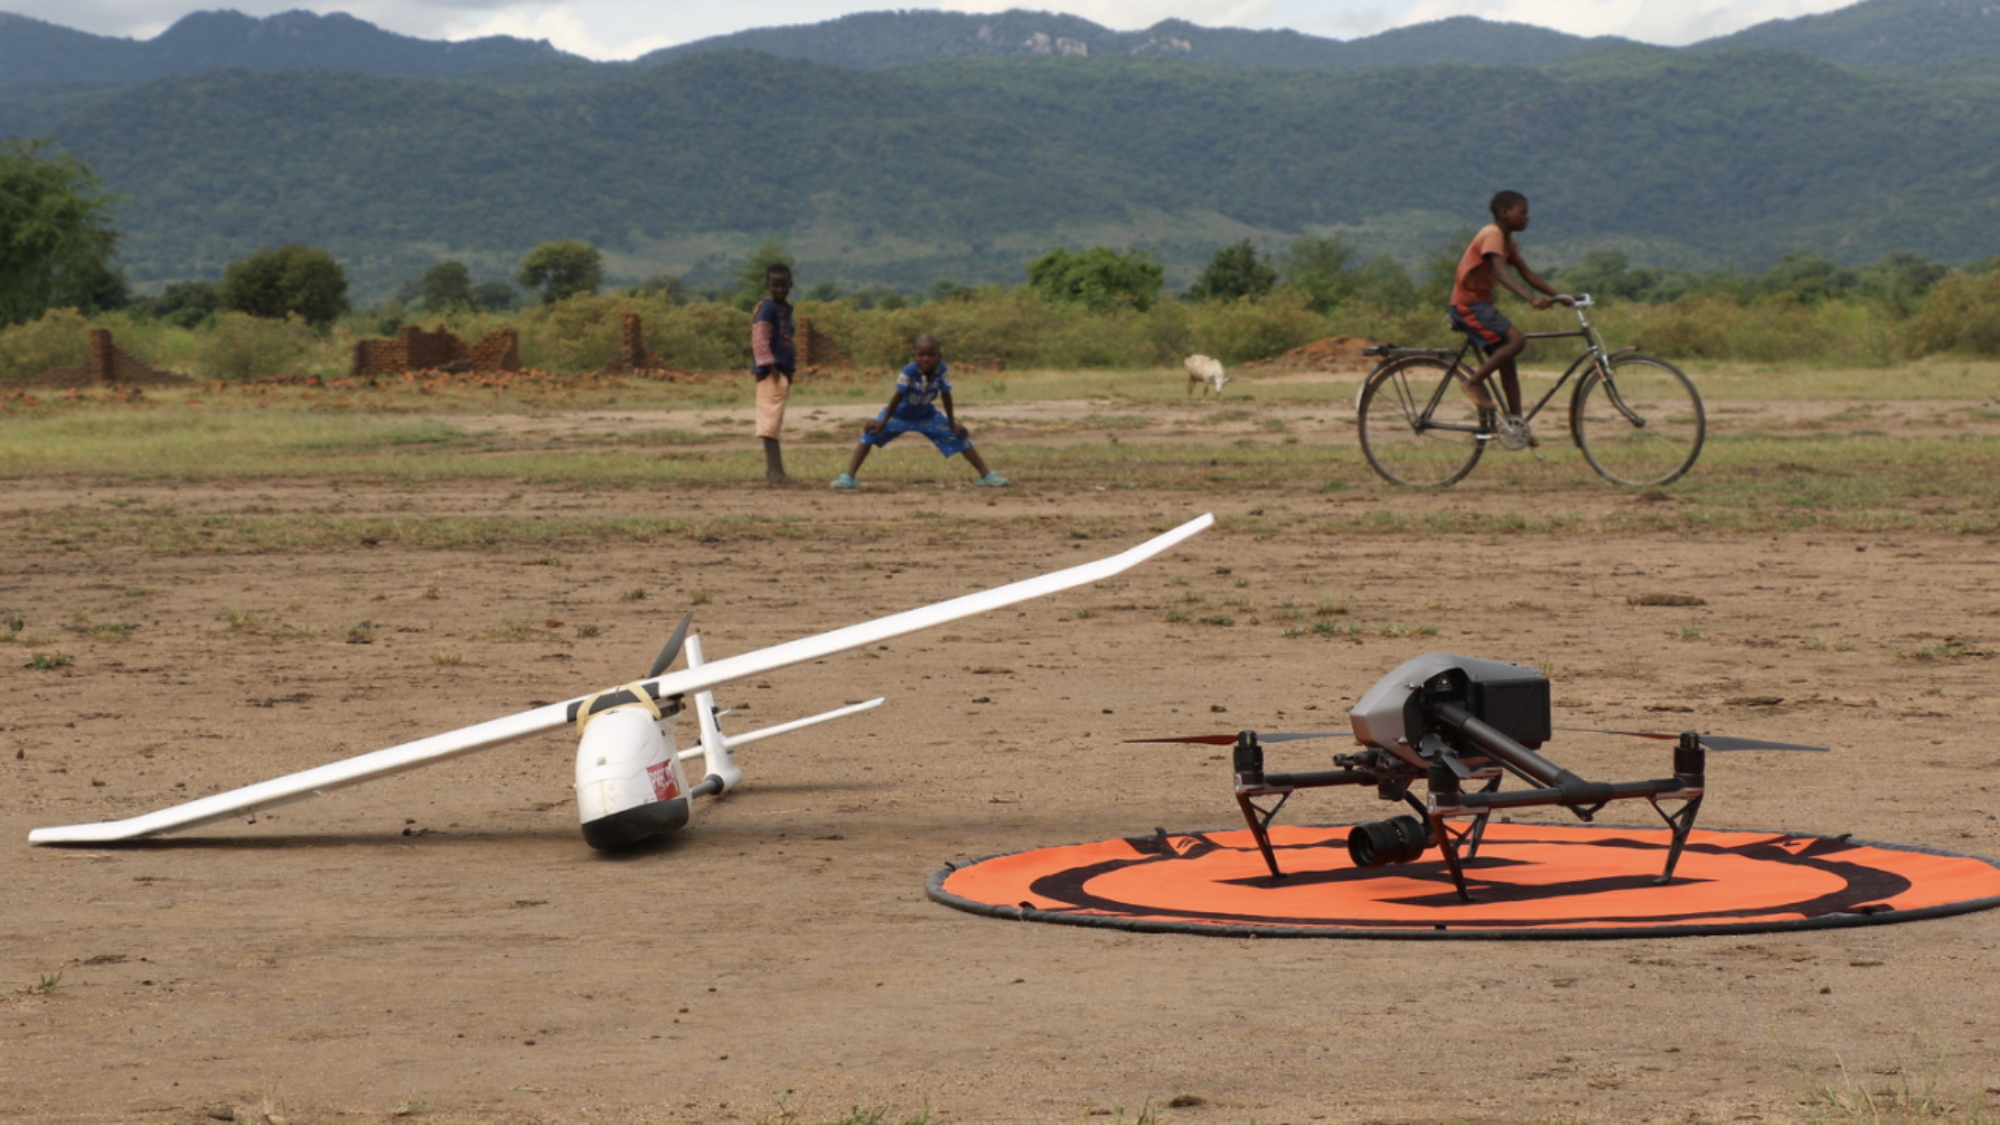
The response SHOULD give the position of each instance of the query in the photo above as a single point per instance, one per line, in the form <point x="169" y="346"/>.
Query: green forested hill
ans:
<point x="33" y="51"/>
<point x="1882" y="33"/>
<point x="969" y="169"/>
<point x="872" y="40"/>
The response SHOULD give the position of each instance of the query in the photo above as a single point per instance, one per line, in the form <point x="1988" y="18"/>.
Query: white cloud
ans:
<point x="561" y="25"/>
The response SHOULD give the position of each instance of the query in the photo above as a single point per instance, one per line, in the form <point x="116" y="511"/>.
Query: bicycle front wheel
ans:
<point x="1417" y="427"/>
<point x="1642" y="426"/>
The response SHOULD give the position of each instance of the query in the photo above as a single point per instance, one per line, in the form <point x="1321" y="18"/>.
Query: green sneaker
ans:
<point x="845" y="480"/>
<point x="994" y="480"/>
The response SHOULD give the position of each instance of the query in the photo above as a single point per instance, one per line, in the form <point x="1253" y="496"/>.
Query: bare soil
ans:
<point x="443" y="943"/>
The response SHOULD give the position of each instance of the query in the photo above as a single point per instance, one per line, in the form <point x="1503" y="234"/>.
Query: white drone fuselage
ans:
<point x="629" y="784"/>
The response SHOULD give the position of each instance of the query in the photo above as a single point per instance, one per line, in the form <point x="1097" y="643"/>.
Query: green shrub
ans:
<point x="57" y="339"/>
<point x="241" y="346"/>
<point x="1961" y="313"/>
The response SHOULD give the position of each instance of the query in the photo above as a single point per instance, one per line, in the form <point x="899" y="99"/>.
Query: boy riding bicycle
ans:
<point x="1486" y="261"/>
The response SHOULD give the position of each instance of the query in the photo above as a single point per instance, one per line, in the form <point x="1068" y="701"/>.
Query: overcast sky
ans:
<point x="623" y="29"/>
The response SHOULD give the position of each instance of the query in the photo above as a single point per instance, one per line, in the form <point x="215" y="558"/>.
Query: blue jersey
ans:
<point x="920" y="391"/>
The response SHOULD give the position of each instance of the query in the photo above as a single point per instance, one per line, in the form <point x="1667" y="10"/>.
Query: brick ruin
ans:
<point x="817" y="349"/>
<point x="413" y="349"/>
<point x="107" y="364"/>
<point x="632" y="357"/>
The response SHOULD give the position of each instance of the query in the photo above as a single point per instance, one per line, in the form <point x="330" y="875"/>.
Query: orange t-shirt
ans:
<point x="1474" y="283"/>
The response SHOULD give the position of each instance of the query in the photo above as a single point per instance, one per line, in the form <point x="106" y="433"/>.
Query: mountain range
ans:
<point x="902" y="147"/>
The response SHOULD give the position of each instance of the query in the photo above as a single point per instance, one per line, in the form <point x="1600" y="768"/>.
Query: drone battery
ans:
<point x="1520" y="708"/>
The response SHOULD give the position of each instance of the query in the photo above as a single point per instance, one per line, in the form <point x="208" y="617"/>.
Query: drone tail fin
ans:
<point x="721" y="773"/>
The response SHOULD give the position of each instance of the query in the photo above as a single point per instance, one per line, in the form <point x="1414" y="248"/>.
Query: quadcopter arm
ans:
<point x="1558" y="785"/>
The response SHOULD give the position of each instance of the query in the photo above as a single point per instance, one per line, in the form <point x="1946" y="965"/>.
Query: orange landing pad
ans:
<point x="1529" y="881"/>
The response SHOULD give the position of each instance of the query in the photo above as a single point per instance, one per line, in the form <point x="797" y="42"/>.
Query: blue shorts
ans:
<point x="1482" y="322"/>
<point x="934" y="426"/>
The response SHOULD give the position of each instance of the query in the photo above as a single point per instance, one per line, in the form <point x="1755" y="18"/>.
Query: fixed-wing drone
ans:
<point x="630" y="782"/>
<point x="1458" y="725"/>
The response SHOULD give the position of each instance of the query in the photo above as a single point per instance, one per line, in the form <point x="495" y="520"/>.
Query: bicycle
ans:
<point x="1637" y="420"/>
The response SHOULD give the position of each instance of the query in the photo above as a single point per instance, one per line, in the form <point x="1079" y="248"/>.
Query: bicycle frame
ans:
<point x="1595" y="355"/>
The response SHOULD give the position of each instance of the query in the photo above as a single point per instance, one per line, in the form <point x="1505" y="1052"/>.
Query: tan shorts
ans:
<point x="773" y="391"/>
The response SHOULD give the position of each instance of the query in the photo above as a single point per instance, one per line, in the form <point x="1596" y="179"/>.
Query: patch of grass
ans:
<point x="1325" y="629"/>
<point x="43" y="984"/>
<point x="361" y="633"/>
<point x="1690" y="633"/>
<point x="513" y="630"/>
<point x="45" y="661"/>
<point x="111" y="630"/>
<point x="241" y="620"/>
<point x="1903" y="1094"/>
<point x="1946" y="649"/>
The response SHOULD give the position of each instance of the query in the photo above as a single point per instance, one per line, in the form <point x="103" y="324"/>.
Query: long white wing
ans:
<point x="498" y="732"/>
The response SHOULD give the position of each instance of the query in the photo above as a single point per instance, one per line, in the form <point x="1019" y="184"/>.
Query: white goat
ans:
<point x="1205" y="373"/>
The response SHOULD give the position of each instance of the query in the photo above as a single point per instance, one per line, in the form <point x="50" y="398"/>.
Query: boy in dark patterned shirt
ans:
<point x="774" y="352"/>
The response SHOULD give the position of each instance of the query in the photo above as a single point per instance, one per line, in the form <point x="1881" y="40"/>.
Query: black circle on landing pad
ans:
<point x="1529" y="881"/>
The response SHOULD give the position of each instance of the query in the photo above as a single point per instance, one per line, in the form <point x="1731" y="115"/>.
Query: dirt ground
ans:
<point x="442" y="945"/>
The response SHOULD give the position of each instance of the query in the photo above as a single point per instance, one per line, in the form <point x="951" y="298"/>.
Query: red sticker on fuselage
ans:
<point x="666" y="787"/>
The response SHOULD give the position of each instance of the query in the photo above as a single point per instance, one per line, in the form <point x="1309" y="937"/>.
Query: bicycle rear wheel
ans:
<point x="1417" y="428"/>
<point x="1643" y="426"/>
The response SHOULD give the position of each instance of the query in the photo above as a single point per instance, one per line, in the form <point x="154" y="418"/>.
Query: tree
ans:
<point x="1098" y="278"/>
<point x="562" y="269"/>
<point x="445" y="287"/>
<point x="1901" y="280"/>
<point x="1609" y="273"/>
<point x="1318" y="268"/>
<point x="1386" y="284"/>
<point x="1807" y="277"/>
<point x="182" y="303"/>
<point x="287" y="280"/>
<point x="493" y="296"/>
<point x="750" y="273"/>
<point x="1234" y="273"/>
<point x="667" y="286"/>
<point x="56" y="239"/>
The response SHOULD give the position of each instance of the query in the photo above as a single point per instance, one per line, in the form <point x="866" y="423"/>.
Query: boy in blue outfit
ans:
<point x="912" y="409"/>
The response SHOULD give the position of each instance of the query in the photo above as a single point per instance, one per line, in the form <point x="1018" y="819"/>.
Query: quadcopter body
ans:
<point x="1458" y="726"/>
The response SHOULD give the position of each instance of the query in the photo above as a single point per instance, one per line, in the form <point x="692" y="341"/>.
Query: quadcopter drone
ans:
<point x="631" y="785"/>
<point x="1458" y="725"/>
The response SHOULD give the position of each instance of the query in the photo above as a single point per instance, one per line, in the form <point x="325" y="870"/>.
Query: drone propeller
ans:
<point x="1231" y="739"/>
<point x="1708" y="741"/>
<point x="672" y="648"/>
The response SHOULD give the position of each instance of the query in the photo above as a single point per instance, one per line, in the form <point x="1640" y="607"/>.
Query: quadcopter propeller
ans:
<point x="1231" y="739"/>
<point x="672" y="648"/>
<point x="1708" y="741"/>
